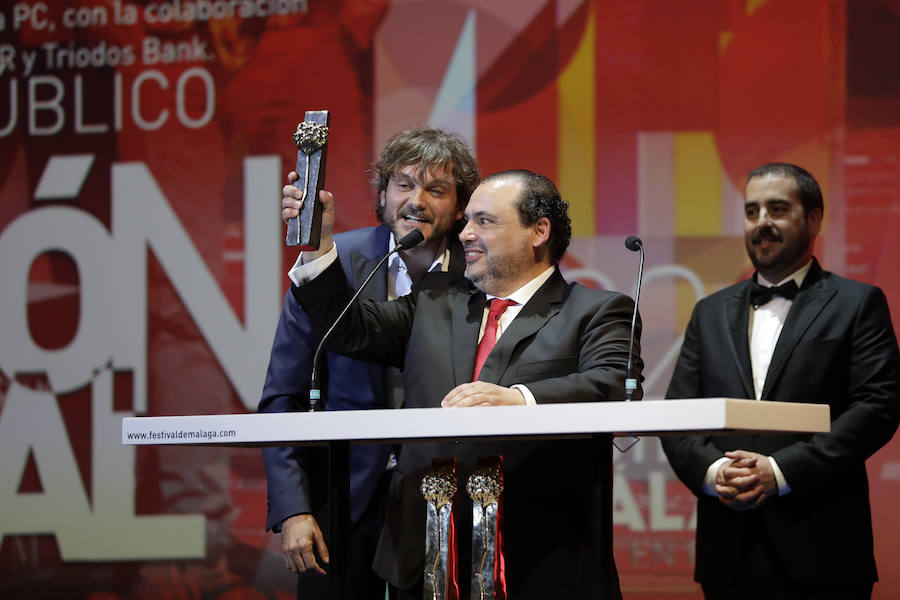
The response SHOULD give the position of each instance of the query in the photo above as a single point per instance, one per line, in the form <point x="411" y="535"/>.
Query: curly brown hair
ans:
<point x="427" y="148"/>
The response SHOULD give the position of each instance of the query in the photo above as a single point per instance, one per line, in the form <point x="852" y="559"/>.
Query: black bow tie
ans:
<point x="759" y="294"/>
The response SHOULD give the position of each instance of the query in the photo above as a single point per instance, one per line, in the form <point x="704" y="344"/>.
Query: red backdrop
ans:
<point x="142" y="150"/>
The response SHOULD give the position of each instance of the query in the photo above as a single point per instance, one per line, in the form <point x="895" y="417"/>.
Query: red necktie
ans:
<point x="498" y="307"/>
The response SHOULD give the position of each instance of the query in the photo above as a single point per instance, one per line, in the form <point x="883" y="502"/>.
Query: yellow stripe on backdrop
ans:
<point x="577" y="154"/>
<point x="698" y="192"/>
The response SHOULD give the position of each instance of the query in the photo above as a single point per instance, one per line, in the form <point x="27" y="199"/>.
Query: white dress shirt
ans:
<point x="764" y="328"/>
<point x="399" y="281"/>
<point x="399" y="284"/>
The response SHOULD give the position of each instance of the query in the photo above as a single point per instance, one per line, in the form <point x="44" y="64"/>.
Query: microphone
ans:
<point x="633" y="243"/>
<point x="411" y="239"/>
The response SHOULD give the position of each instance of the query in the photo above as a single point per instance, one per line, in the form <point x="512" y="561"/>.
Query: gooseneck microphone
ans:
<point x="411" y="239"/>
<point x="633" y="243"/>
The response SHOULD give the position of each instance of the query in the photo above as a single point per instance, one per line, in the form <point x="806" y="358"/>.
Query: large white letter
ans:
<point x="100" y="529"/>
<point x="142" y="216"/>
<point x="88" y="243"/>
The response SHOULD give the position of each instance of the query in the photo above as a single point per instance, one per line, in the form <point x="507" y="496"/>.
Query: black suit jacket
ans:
<point x="297" y="482"/>
<point x="837" y="347"/>
<point x="568" y="344"/>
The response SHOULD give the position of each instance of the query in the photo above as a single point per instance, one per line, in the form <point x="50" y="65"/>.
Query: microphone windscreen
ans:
<point x="413" y="238"/>
<point x="633" y="243"/>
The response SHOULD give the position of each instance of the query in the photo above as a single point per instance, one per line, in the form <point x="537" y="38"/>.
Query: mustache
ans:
<point x="415" y="213"/>
<point x="767" y="232"/>
<point x="472" y="246"/>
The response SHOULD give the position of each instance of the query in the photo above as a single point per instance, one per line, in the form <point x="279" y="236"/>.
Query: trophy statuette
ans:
<point x="311" y="138"/>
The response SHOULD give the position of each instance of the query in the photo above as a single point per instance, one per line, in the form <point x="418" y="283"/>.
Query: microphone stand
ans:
<point x="339" y="451"/>
<point x="409" y="240"/>
<point x="633" y="243"/>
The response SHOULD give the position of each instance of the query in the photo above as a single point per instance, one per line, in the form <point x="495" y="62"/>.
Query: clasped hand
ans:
<point x="746" y="482"/>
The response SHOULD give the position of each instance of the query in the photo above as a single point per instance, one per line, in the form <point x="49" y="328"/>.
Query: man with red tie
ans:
<point x="511" y="331"/>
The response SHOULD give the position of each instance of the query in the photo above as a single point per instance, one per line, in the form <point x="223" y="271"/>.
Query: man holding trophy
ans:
<point x="423" y="179"/>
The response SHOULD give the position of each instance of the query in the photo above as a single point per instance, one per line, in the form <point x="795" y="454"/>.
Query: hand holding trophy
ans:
<point x="311" y="138"/>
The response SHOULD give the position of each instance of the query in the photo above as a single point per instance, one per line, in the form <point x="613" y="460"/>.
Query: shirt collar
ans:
<point x="441" y="259"/>
<point x="522" y="295"/>
<point x="797" y="277"/>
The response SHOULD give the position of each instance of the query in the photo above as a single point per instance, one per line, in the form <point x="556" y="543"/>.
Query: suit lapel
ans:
<point x="536" y="313"/>
<point x="737" y="314"/>
<point x="364" y="259"/>
<point x="807" y="306"/>
<point x="364" y="255"/>
<point x="468" y="310"/>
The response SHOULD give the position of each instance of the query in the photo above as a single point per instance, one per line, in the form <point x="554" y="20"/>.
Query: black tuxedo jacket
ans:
<point x="837" y="347"/>
<point x="568" y="344"/>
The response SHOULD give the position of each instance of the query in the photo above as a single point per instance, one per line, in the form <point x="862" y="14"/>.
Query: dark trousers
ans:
<point x="362" y="582"/>
<point x="762" y="576"/>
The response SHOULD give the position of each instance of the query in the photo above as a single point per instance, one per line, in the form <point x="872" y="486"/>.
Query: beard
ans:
<point x="498" y="269"/>
<point x="770" y="264"/>
<point x="494" y="270"/>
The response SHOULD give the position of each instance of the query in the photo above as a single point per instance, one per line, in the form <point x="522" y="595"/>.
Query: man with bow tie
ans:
<point x="787" y="515"/>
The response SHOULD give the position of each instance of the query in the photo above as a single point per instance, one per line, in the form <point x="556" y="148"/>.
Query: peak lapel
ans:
<point x="737" y="315"/>
<point x="807" y="306"/>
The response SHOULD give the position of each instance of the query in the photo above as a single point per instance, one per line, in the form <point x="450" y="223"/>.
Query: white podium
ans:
<point x="599" y="420"/>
